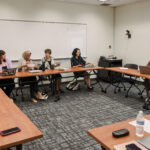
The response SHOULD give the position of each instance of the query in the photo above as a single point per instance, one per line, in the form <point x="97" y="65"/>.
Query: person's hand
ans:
<point x="90" y="64"/>
<point x="24" y="66"/>
<point x="56" y="65"/>
<point x="27" y="62"/>
<point x="36" y="66"/>
<point x="0" y="71"/>
<point x="77" y="66"/>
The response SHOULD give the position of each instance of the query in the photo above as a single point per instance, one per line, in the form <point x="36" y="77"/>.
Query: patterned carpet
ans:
<point x="64" y="124"/>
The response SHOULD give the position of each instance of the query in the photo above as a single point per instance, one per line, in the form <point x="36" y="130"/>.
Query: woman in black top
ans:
<point x="78" y="61"/>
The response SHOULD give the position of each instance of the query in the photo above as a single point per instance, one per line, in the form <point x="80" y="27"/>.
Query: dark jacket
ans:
<point x="79" y="61"/>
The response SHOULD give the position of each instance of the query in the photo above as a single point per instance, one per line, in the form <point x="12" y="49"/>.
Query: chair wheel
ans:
<point x="126" y="96"/>
<point x="145" y="106"/>
<point x="57" y="99"/>
<point x="142" y="97"/>
<point x="103" y="148"/>
<point x="125" y="89"/>
<point x="115" y="92"/>
<point x="119" y="90"/>
<point x="104" y="91"/>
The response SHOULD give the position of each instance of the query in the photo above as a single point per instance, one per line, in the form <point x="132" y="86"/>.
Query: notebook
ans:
<point x="123" y="146"/>
<point x="145" y="142"/>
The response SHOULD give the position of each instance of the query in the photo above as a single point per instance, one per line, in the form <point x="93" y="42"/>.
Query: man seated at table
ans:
<point x="6" y="84"/>
<point x="78" y="61"/>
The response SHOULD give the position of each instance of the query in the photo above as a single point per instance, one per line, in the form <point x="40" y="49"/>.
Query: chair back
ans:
<point x="131" y="66"/>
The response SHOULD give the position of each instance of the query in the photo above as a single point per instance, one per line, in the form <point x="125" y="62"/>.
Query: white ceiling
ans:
<point x="114" y="3"/>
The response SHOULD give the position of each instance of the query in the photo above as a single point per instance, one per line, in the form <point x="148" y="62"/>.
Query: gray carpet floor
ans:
<point x="65" y="123"/>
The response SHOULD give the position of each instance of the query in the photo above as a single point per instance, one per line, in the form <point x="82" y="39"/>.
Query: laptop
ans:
<point x="144" y="69"/>
<point x="145" y="142"/>
<point x="9" y="72"/>
<point x="88" y="66"/>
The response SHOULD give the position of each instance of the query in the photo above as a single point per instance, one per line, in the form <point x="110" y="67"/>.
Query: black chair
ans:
<point x="132" y="80"/>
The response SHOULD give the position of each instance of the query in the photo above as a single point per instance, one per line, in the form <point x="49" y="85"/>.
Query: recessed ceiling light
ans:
<point x="102" y="0"/>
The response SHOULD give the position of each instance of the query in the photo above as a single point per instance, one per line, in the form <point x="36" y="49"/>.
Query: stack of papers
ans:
<point x="146" y="125"/>
<point x="123" y="68"/>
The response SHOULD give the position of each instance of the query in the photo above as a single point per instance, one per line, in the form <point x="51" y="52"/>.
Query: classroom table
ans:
<point x="103" y="135"/>
<point x="52" y="72"/>
<point x="11" y="116"/>
<point x="132" y="72"/>
<point x="127" y="71"/>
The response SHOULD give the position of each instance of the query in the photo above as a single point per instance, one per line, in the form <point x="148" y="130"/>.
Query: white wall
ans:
<point x="136" y="18"/>
<point x="99" y="21"/>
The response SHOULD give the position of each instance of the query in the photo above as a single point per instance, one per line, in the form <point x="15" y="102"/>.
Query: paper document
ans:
<point x="123" y="68"/>
<point x="123" y="146"/>
<point x="146" y="125"/>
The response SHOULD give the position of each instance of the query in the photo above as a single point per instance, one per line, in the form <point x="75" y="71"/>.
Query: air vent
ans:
<point x="105" y="4"/>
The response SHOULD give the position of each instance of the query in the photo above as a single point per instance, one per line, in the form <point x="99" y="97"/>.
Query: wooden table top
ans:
<point x="11" y="116"/>
<point x="50" y="72"/>
<point x="103" y="135"/>
<point x="128" y="71"/>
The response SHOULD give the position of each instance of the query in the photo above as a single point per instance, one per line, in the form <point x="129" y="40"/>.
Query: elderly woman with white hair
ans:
<point x="23" y="65"/>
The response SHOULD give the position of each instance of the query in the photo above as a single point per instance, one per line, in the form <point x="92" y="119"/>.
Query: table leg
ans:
<point x="103" y="148"/>
<point x="98" y="82"/>
<point x="19" y="147"/>
<point x="56" y="93"/>
<point x="146" y="104"/>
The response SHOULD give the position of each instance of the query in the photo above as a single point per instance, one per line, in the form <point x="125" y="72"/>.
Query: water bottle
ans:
<point x="140" y="124"/>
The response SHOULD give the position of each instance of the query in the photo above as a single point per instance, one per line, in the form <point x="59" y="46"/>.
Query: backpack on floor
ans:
<point x="73" y="85"/>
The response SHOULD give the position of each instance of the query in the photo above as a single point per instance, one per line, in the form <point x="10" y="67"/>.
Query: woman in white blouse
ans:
<point x="24" y="64"/>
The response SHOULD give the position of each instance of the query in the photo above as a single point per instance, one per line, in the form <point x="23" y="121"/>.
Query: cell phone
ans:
<point x="132" y="147"/>
<point x="10" y="131"/>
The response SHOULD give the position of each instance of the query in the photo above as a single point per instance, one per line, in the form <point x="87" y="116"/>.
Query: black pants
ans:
<point x="80" y="74"/>
<point x="7" y="85"/>
<point x="32" y="81"/>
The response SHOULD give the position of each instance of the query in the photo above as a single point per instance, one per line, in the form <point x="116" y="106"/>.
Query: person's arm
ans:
<point x="53" y="62"/>
<point x="0" y="68"/>
<point x="20" y="65"/>
<point x="86" y="63"/>
<point x="9" y="63"/>
<point x="74" y="63"/>
<point x="31" y="62"/>
<point x="83" y="61"/>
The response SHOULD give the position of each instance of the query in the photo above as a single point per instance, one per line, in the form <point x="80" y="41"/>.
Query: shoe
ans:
<point x="90" y="88"/>
<point x="43" y="97"/>
<point x="57" y="98"/>
<point x="34" y="100"/>
<point x="61" y="91"/>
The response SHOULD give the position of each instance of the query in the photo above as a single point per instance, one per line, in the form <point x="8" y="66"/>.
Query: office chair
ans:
<point x="132" y="80"/>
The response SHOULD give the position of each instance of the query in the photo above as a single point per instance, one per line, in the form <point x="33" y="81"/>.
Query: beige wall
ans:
<point x="99" y="21"/>
<point x="136" y="18"/>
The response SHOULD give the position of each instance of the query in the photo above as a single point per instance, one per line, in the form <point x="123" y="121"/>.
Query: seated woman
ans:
<point x="6" y="84"/>
<point x="23" y="65"/>
<point x="78" y="61"/>
<point x="48" y="63"/>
